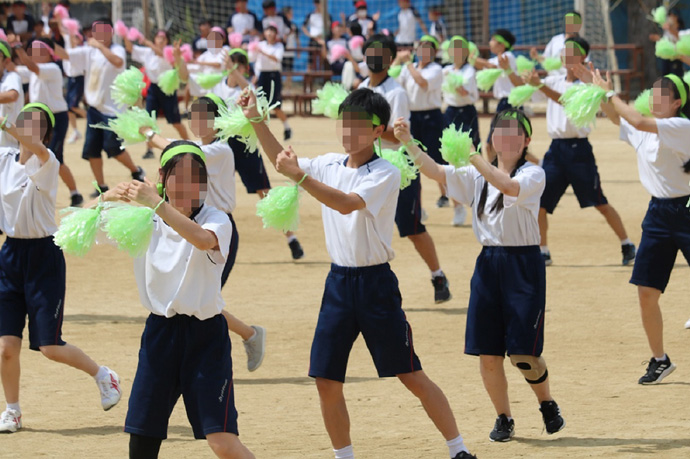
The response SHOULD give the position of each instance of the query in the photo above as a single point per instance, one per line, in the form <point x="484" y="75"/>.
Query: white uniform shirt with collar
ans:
<point x="557" y="124"/>
<point x="424" y="99"/>
<point x="503" y="86"/>
<point x="154" y="64"/>
<point x="46" y="87"/>
<point x="279" y="21"/>
<point x="469" y="84"/>
<point x="266" y="64"/>
<point x="363" y="237"/>
<point x="554" y="48"/>
<point x="27" y="195"/>
<point x="174" y="277"/>
<point x="407" y="26"/>
<point x="660" y="157"/>
<point x="11" y="81"/>
<point x="397" y="98"/>
<point x="99" y="76"/>
<point x="211" y="55"/>
<point x="220" y="165"/>
<point x="517" y="224"/>
<point x="230" y="95"/>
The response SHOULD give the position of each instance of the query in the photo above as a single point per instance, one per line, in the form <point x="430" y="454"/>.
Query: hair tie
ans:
<point x="38" y="44"/>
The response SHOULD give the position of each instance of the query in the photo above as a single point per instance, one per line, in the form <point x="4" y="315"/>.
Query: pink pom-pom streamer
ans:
<point x="3" y="35"/>
<point x="60" y="12"/>
<point x="356" y="42"/>
<point x="187" y="53"/>
<point x="338" y="52"/>
<point x="134" y="35"/>
<point x="386" y="32"/>
<point x="235" y="40"/>
<point x="168" y="54"/>
<point x="72" y="26"/>
<point x="121" y="29"/>
<point x="253" y="46"/>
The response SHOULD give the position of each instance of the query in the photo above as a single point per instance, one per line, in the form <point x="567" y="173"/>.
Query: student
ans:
<point x="75" y="88"/>
<point x="573" y="25"/>
<point x="508" y="288"/>
<point x="438" y="26"/>
<point x="358" y="192"/>
<point x="570" y="160"/>
<point x="272" y="17"/>
<point x="291" y="42"/>
<point x="211" y="60"/>
<point x="313" y="28"/>
<point x="672" y="30"/>
<point x="101" y="61"/>
<point x="20" y="22"/>
<point x="268" y="66"/>
<point x="45" y="85"/>
<point x="408" y="18"/>
<point x="32" y="267"/>
<point x="11" y="94"/>
<point x="361" y="16"/>
<point x="243" y="21"/>
<point x="185" y="349"/>
<point x="336" y="63"/>
<point x="380" y="51"/>
<point x="200" y="42"/>
<point x="663" y="159"/>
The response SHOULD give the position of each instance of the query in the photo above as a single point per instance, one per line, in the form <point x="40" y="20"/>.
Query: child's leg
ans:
<point x="182" y="130"/>
<point x="614" y="220"/>
<point x="543" y="227"/>
<point x="72" y="356"/>
<point x="67" y="177"/>
<point x="238" y="327"/>
<point x="434" y="402"/>
<point x="142" y="447"/>
<point x="495" y="382"/>
<point x="10" y="348"/>
<point x="126" y="160"/>
<point x="228" y="446"/>
<point x="334" y="412"/>
<point x="72" y="120"/>
<point x="97" y="169"/>
<point x="426" y="248"/>
<point x="652" y="320"/>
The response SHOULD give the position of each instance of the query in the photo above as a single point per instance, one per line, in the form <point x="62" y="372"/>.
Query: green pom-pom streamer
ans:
<point x="551" y="64"/>
<point x="169" y="82"/>
<point x="77" y="231"/>
<point x="524" y="64"/>
<point x="683" y="45"/>
<point x="328" y="99"/>
<point x="456" y="146"/>
<point x="231" y="121"/>
<point x="642" y="102"/>
<point x="445" y="56"/>
<point x="129" y="226"/>
<point x="659" y="15"/>
<point x="686" y="77"/>
<point x="487" y="77"/>
<point x="474" y="53"/>
<point x="665" y="49"/>
<point x="127" y="86"/>
<point x="126" y="125"/>
<point x="581" y="103"/>
<point x="280" y="208"/>
<point x="452" y="82"/>
<point x="398" y="158"/>
<point x="394" y="71"/>
<point x="210" y="80"/>
<point x="521" y="94"/>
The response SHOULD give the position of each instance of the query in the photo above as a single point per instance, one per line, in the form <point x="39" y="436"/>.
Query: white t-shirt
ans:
<point x="11" y="81"/>
<point x="557" y="124"/>
<point x="243" y="23"/>
<point x="220" y="165"/>
<point x="154" y="65"/>
<point x="423" y="99"/>
<point x="503" y="86"/>
<point x="99" y="76"/>
<point x="211" y="55"/>
<point x="174" y="277"/>
<point x="398" y="101"/>
<point x="364" y="237"/>
<point x="407" y="25"/>
<point x="27" y="195"/>
<point x="314" y="24"/>
<point x="279" y="21"/>
<point x="225" y="92"/>
<point x="469" y="84"/>
<point x="265" y="64"/>
<point x="660" y="157"/>
<point x="46" y="87"/>
<point x="517" y="223"/>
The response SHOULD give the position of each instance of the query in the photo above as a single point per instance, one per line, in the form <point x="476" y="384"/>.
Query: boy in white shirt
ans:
<point x="243" y="21"/>
<point x="408" y="18"/>
<point x="573" y="24"/>
<point x="268" y="65"/>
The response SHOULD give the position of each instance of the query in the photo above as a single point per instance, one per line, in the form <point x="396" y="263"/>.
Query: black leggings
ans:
<point x="141" y="447"/>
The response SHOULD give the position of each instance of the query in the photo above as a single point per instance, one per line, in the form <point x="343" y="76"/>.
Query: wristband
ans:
<point x="159" y="204"/>
<point x="304" y="177"/>
<point x="149" y="134"/>
<point x="610" y="94"/>
<point x="4" y="124"/>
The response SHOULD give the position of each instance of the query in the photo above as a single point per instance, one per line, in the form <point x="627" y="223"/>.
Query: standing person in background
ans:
<point x="46" y="14"/>
<point x="672" y="27"/>
<point x="408" y="18"/>
<point x="200" y="42"/>
<point x="438" y="26"/>
<point x="313" y="28"/>
<point x="11" y="94"/>
<point x="272" y="17"/>
<point x="573" y="24"/>
<point x="243" y="21"/>
<point x="75" y="87"/>
<point x="268" y="64"/>
<point x="361" y="15"/>
<point x="336" y="62"/>
<point x="20" y="22"/>
<point x="291" y="42"/>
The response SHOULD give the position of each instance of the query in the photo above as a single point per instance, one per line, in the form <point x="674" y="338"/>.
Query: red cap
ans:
<point x="361" y="4"/>
<point x="335" y="24"/>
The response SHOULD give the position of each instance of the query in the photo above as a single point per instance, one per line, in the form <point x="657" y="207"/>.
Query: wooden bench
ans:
<point x="302" y="99"/>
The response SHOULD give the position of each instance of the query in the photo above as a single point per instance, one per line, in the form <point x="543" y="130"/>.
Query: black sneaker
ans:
<point x="656" y="371"/>
<point x="464" y="455"/>
<point x="504" y="429"/>
<point x="296" y="249"/>
<point x="551" y="413"/>
<point x="76" y="200"/>
<point x="628" y="253"/>
<point x="149" y="154"/>
<point x="287" y="134"/>
<point x="546" y="256"/>
<point x="443" y="202"/>
<point x="97" y="193"/>
<point x="441" y="290"/>
<point x="138" y="175"/>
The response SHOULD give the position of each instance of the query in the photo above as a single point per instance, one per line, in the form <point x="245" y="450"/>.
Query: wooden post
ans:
<point x="147" y="25"/>
<point x="485" y="23"/>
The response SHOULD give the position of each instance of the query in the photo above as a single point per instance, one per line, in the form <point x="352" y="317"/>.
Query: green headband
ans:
<point x="462" y="39"/>
<point x="375" y="120"/>
<point x="4" y="48"/>
<point x="216" y="99"/>
<point x="181" y="150"/>
<point x="42" y="107"/>
<point x="502" y="41"/>
<point x="575" y="16"/>
<point x="429" y="39"/>
<point x="239" y="51"/>
<point x="522" y="120"/>
<point x="681" y="88"/>
<point x="575" y="44"/>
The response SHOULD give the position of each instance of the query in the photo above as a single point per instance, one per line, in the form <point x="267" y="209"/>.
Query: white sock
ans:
<point x="626" y="241"/>
<point x="510" y="418"/>
<point x="73" y="193"/>
<point x="661" y="359"/>
<point x="437" y="273"/>
<point x="456" y="445"/>
<point x="13" y="406"/>
<point x="291" y="238"/>
<point x="544" y="248"/>
<point x="344" y="453"/>
<point x="286" y="125"/>
<point x="102" y="374"/>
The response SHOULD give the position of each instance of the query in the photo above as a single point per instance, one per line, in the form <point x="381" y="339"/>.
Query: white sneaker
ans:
<point x="459" y="216"/>
<point x="110" y="389"/>
<point x="424" y="216"/>
<point x="687" y="324"/>
<point x="10" y="421"/>
<point x="255" y="347"/>
<point x="74" y="136"/>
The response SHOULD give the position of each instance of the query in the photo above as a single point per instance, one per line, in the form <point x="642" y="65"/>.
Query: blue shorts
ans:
<point x="57" y="140"/>
<point x="665" y="230"/>
<point x="408" y="214"/>
<point x="99" y="139"/>
<point x="32" y="283"/>
<point x="250" y="166"/>
<point x="184" y="356"/>
<point x="507" y="302"/>
<point x="232" y="254"/>
<point x="161" y="103"/>
<point x="427" y="127"/>
<point x="465" y="118"/>
<point x="75" y="91"/>
<point x="365" y="300"/>
<point x="264" y="82"/>
<point x="571" y="162"/>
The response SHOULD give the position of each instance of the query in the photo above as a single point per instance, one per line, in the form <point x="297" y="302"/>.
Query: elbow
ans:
<point x="206" y="242"/>
<point x="118" y="62"/>
<point x="346" y="210"/>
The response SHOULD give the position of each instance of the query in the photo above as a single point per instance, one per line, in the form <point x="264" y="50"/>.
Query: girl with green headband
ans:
<point x="672" y="28"/>
<point x="11" y="93"/>
<point x="554" y="48"/>
<point x="32" y="266"/>
<point x="662" y="144"/>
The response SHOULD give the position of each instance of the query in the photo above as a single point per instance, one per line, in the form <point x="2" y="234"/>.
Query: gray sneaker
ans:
<point x="255" y="347"/>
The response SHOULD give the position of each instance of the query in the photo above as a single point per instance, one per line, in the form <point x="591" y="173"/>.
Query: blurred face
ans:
<point x="186" y="186"/>
<point x="573" y="24"/>
<point x="663" y="103"/>
<point x="45" y="8"/>
<point x="404" y="3"/>
<point x="509" y="140"/>
<point x="356" y="131"/>
<point x="40" y="55"/>
<point x="378" y="59"/>
<point x="459" y="52"/>
<point x="496" y="47"/>
<point x="102" y="33"/>
<point x="426" y="52"/>
<point x="161" y="40"/>
<point x="270" y="11"/>
<point x="241" y="6"/>
<point x="672" y="24"/>
<point x="215" y="40"/>
<point x="204" y="29"/>
<point x="18" y="10"/>
<point x="362" y="13"/>
<point x="270" y="35"/>
<point x="572" y="56"/>
<point x="202" y="120"/>
<point x="32" y="126"/>
<point x="338" y="31"/>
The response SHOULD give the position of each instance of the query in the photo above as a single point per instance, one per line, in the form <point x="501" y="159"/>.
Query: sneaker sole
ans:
<point x="263" y="346"/>
<point x="663" y="374"/>
<point x="556" y="431"/>
<point x="512" y="434"/>
<point x="450" y="297"/>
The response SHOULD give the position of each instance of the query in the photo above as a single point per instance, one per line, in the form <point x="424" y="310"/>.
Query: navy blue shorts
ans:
<point x="250" y="166"/>
<point x="99" y="139"/>
<point x="365" y="300"/>
<point x="57" y="140"/>
<point x="427" y="127"/>
<point x="184" y="356"/>
<point x="161" y="103"/>
<point x="32" y="283"/>
<point x="465" y="118"/>
<point x="264" y="82"/>
<point x="408" y="214"/>
<point x="75" y="91"/>
<point x="232" y="254"/>
<point x="507" y="302"/>
<point x="665" y="230"/>
<point x="571" y="162"/>
<point x="502" y="105"/>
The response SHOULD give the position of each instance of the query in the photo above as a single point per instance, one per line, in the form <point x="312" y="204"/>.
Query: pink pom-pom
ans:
<point x="356" y="42"/>
<point x="121" y="29"/>
<point x="134" y="35"/>
<point x="3" y="35"/>
<point x="253" y="46"/>
<point x="386" y="32"/>
<point x="338" y="52"/>
<point x="72" y="26"/>
<point x="60" y="12"/>
<point x="168" y="54"/>
<point x="235" y="40"/>
<point x="187" y="53"/>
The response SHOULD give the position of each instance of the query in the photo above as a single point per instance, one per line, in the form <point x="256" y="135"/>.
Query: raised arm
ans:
<point x="617" y="108"/>
<point x="268" y="141"/>
<point x="426" y="164"/>
<point x="37" y="148"/>
<point x="113" y="58"/>
<point x="27" y="61"/>
<point x="499" y="179"/>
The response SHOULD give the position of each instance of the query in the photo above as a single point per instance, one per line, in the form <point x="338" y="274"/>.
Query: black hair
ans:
<point x="580" y="41"/>
<point x="48" y="41"/>
<point x="385" y="41"/>
<point x="436" y="9"/>
<point x="271" y="27"/>
<point x="576" y="13"/>
<point x="355" y="27"/>
<point x="268" y="4"/>
<point x="368" y="101"/>
<point x="206" y="21"/>
<point x="679" y="18"/>
<point x="170" y="165"/>
<point x="521" y="118"/>
<point x="19" y="3"/>
<point x="64" y="3"/>
<point x="507" y="36"/>
<point x="241" y="59"/>
<point x="103" y="20"/>
<point x="209" y="103"/>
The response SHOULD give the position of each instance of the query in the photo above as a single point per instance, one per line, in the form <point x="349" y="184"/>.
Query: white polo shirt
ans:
<point x="229" y="94"/>
<point x="557" y="124"/>
<point x="153" y="64"/>
<point x="266" y="64"/>
<point x="27" y="195"/>
<point x="99" y="75"/>
<point x="11" y="81"/>
<point x="503" y="86"/>
<point x="174" y="277"/>
<point x="46" y="87"/>
<point x="516" y="224"/>
<point x="220" y="165"/>
<point x="660" y="157"/>
<point x="469" y="84"/>
<point x="407" y="26"/>
<point x="364" y="237"/>
<point x="397" y="99"/>
<point x="423" y="99"/>
<point x="211" y="55"/>
<point x="243" y="23"/>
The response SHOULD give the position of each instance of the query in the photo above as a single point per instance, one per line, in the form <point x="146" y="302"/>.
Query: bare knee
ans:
<point x="491" y="362"/>
<point x="648" y="296"/>
<point x="10" y="346"/>
<point x="416" y="382"/>
<point x="329" y="390"/>
<point x="228" y="446"/>
<point x="51" y="352"/>
<point x="605" y="209"/>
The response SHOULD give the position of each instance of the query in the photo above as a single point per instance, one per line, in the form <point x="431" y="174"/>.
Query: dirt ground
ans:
<point x="595" y="344"/>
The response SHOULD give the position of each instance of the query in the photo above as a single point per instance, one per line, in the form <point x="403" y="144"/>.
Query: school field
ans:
<point x="595" y="345"/>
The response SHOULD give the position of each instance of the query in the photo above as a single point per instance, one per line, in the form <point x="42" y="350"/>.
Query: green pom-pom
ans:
<point x="127" y="86"/>
<point x="521" y="94"/>
<point x="551" y="64"/>
<point x="659" y="15"/>
<point x="210" y="80"/>
<point x="328" y="99"/>
<point x="474" y="52"/>
<point x="642" y="102"/>
<point x="487" y="77"/>
<point x="683" y="45"/>
<point x="280" y="208"/>
<point x="581" y="103"/>
<point x="169" y="82"/>
<point x="231" y="122"/>
<point x="686" y="77"/>
<point x="126" y="125"/>
<point x="665" y="49"/>
<point x="524" y="65"/>
<point x="452" y="82"/>
<point x="456" y="146"/>
<point x="445" y="56"/>
<point x="129" y="226"/>
<point x="408" y="169"/>
<point x="77" y="231"/>
<point x="394" y="71"/>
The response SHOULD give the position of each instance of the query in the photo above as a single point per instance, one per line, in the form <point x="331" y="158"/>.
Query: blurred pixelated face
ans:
<point x="241" y="6"/>
<point x="573" y="24"/>
<point x="508" y="138"/>
<point x="204" y="29"/>
<point x="426" y="52"/>
<point x="32" y="126"/>
<point x="495" y="47"/>
<point x="18" y="10"/>
<point x="362" y="13"/>
<point x="39" y="54"/>
<point x="338" y="31"/>
<point x="355" y="130"/>
<point x="378" y="58"/>
<point x="672" y="23"/>
<point x="202" y="120"/>
<point x="215" y="40"/>
<point x="458" y="51"/>
<point x="663" y="102"/>
<point x="270" y="35"/>
<point x="161" y="40"/>
<point x="186" y="186"/>
<point x="103" y="33"/>
<point x="572" y="55"/>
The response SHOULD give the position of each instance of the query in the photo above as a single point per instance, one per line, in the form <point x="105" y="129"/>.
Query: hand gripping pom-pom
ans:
<point x="328" y="99"/>
<point x="398" y="158"/>
<point x="60" y="12"/>
<point x="169" y="82"/>
<point x="665" y="49"/>
<point x="487" y="77"/>
<point x="521" y="94"/>
<point x="456" y="146"/>
<point x="127" y="87"/>
<point x="134" y="35"/>
<point x="253" y="46"/>
<point x="121" y="29"/>
<point x="129" y="226"/>
<point x="72" y="25"/>
<point x="235" y="40"/>
<point x="659" y="15"/>
<point x="126" y="125"/>
<point x="209" y="80"/>
<point x="168" y="54"/>
<point x="187" y="52"/>
<point x="394" y="71"/>
<point x="642" y="102"/>
<point x="551" y="64"/>
<point x="232" y="122"/>
<point x="524" y="64"/>
<point x="356" y="42"/>
<point x="452" y="82"/>
<point x="280" y="208"/>
<point x="683" y="45"/>
<point x="77" y="231"/>
<point x="581" y="103"/>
